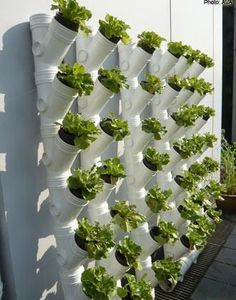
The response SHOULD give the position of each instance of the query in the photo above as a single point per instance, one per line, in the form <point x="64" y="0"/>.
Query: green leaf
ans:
<point x="117" y="128"/>
<point x="156" y="159"/>
<point x="156" y="199"/>
<point x="166" y="269"/>
<point x="131" y="252"/>
<point x="153" y="125"/>
<point x="149" y="39"/>
<point x="113" y="79"/>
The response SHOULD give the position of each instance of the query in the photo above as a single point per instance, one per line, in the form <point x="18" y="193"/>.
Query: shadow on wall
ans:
<point x="28" y="264"/>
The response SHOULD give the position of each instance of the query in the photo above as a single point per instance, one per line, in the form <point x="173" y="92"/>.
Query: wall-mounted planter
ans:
<point x="48" y="134"/>
<point x="74" y="255"/>
<point x="58" y="40"/>
<point x="62" y="155"/>
<point x="194" y="70"/>
<point x="180" y="67"/>
<point x="181" y="98"/>
<point x="195" y="98"/>
<point x="58" y="102"/>
<point x="140" y="139"/>
<point x="176" y="251"/>
<point x="119" y="267"/>
<point x="97" y="51"/>
<point x="67" y="207"/>
<point x="145" y="171"/>
<point x="167" y="62"/>
<point x="165" y="99"/>
<point x="147" y="271"/>
<point x="64" y="234"/>
<point x="94" y="103"/>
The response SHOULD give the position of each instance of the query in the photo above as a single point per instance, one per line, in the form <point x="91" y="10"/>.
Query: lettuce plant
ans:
<point x="126" y="216"/>
<point x="149" y="40"/>
<point x="76" y="77"/>
<point x="113" y="27"/>
<point x="176" y="48"/>
<point x="167" y="233"/>
<point x="198" y="84"/>
<point x="72" y="11"/>
<point x="205" y="60"/>
<point x="113" y="79"/>
<point x="153" y="125"/>
<point x="98" y="239"/>
<point x="152" y="84"/>
<point x="166" y="269"/>
<point x="156" y="199"/>
<point x="176" y="82"/>
<point x="158" y="160"/>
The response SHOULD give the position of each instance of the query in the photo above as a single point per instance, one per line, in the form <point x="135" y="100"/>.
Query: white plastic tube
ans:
<point x="147" y="271"/>
<point x="180" y="67"/>
<point x="58" y="102"/>
<point x="61" y="158"/>
<point x="176" y="251"/>
<point x="94" y="103"/>
<point x="97" y="51"/>
<point x="166" y="63"/>
<point x="66" y="207"/>
<point x="144" y="175"/>
<point x="195" y="98"/>
<point x="164" y="100"/>
<point x="48" y="134"/>
<point x="181" y="99"/>
<point x="57" y="42"/>
<point x="194" y="70"/>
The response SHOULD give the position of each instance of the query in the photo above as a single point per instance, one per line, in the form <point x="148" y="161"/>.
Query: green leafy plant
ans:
<point x="113" y="27"/>
<point x="126" y="216"/>
<point x="190" y="210"/>
<point x="152" y="84"/>
<point x="188" y="147"/>
<point x="153" y="125"/>
<point x="76" y="77"/>
<point x="149" y="40"/>
<point x="98" y="284"/>
<point x="205" y="60"/>
<point x="137" y="289"/>
<point x="115" y="127"/>
<point x="198" y="84"/>
<point x="167" y="268"/>
<point x="88" y="182"/>
<point x="113" y="79"/>
<point x="111" y="169"/>
<point x="188" y="114"/>
<point x="158" y="160"/>
<point x="131" y="252"/>
<point x="207" y="166"/>
<point x="188" y="181"/>
<point x="176" y="82"/>
<point x="228" y="166"/>
<point x="156" y="199"/>
<point x="213" y="213"/>
<point x="168" y="234"/>
<point x="73" y="12"/>
<point x="98" y="239"/>
<point x="176" y="48"/>
<point x="85" y="131"/>
<point x="215" y="189"/>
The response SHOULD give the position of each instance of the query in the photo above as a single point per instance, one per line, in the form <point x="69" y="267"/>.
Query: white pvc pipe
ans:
<point x="98" y="49"/>
<point x="165" y="99"/>
<point x="180" y="67"/>
<point x="146" y="271"/>
<point x="194" y="70"/>
<point x="94" y="103"/>
<point x="176" y="251"/>
<point x="145" y="174"/>
<point x="195" y="98"/>
<point x="59" y="100"/>
<point x="48" y="134"/>
<point x="182" y="98"/>
<point x="57" y="43"/>
<point x="166" y="63"/>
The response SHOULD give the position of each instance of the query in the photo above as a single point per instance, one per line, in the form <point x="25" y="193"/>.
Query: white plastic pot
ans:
<point x="64" y="234"/>
<point x="164" y="180"/>
<point x="186" y="262"/>
<point x="196" y="128"/>
<point x="171" y="128"/>
<point x="182" y="98"/>
<point x="71" y="284"/>
<point x="97" y="51"/>
<point x="57" y="42"/>
<point x="174" y="159"/>
<point x="139" y="139"/>
<point x="167" y="62"/>
<point x="92" y="155"/>
<point x="141" y="236"/>
<point x="67" y="207"/>
<point x="164" y="100"/>
<point x="58" y="102"/>
<point x="180" y="67"/>
<point x="61" y="158"/>
<point x="71" y="257"/>
<point x="194" y="70"/>
<point x="146" y="271"/>
<point x="176" y="251"/>
<point x="112" y="266"/>
<point x="94" y="103"/>
<point x="144" y="175"/>
<point x="195" y="98"/>
<point x="137" y="101"/>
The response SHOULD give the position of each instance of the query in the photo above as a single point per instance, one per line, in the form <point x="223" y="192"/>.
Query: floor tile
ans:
<point x="231" y="242"/>
<point x="227" y="255"/>
<point x="230" y="293"/>
<point x="222" y="272"/>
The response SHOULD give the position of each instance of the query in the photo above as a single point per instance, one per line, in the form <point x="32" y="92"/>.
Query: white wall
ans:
<point x="27" y="245"/>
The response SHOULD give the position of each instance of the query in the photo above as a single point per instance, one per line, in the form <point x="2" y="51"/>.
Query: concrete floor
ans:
<point x="219" y="282"/>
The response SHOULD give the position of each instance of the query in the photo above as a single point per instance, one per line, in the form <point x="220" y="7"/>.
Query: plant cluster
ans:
<point x="177" y="48"/>
<point x="158" y="160"/>
<point x="167" y="268"/>
<point x="113" y="27"/>
<point x="88" y="182"/>
<point x="136" y="289"/>
<point x="131" y="252"/>
<point x="98" y="284"/>
<point x="156" y="199"/>
<point x="228" y="166"/>
<point x="214" y="189"/>
<point x="204" y="60"/>
<point x="116" y="127"/>
<point x="149" y="40"/>
<point x="85" y="131"/>
<point x="168" y="234"/>
<point x="72" y="11"/>
<point x="76" y="77"/>
<point x="176" y="82"/>
<point x="198" y="84"/>
<point x="98" y="239"/>
<point x="112" y="168"/>
<point x="152" y="84"/>
<point x="190" y="210"/>
<point x="126" y="216"/>
<point x="188" y="114"/>
<point x="113" y="79"/>
<point x="188" y="147"/>
<point x="153" y="125"/>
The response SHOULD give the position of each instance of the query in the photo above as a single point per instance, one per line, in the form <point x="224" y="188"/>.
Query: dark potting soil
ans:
<point x="80" y="242"/>
<point x="185" y="241"/>
<point x="147" y="49"/>
<point x="149" y="165"/>
<point x="67" y="23"/>
<point x="77" y="193"/>
<point x="66" y="136"/>
<point x="121" y="258"/>
<point x="175" y="87"/>
<point x="158" y="254"/>
<point x="154" y="232"/>
<point x="105" y="128"/>
<point x="113" y="39"/>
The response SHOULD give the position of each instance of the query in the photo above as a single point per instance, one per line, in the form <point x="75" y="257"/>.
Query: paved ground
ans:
<point x="219" y="282"/>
